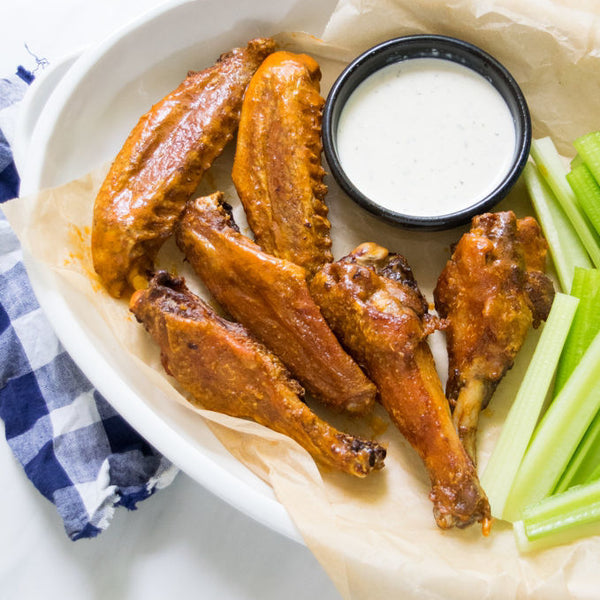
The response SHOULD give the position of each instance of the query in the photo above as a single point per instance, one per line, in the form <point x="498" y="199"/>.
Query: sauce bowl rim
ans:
<point x="427" y="46"/>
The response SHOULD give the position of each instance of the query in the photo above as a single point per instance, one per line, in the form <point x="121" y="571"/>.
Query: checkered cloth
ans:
<point x="78" y="452"/>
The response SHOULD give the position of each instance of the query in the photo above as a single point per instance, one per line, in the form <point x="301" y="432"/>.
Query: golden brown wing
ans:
<point x="538" y="287"/>
<point x="277" y="169"/>
<point x="491" y="292"/>
<point x="270" y="297"/>
<point x="224" y="369"/>
<point x="372" y="302"/>
<point x="161" y="164"/>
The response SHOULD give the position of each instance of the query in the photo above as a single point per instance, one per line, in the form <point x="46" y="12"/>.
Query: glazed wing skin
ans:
<point x="224" y="369"/>
<point x="277" y="169"/>
<point x="372" y="302"/>
<point x="492" y="290"/>
<point x="270" y="297"/>
<point x="161" y="164"/>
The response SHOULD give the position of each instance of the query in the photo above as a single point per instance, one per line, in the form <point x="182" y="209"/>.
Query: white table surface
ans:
<point x="183" y="541"/>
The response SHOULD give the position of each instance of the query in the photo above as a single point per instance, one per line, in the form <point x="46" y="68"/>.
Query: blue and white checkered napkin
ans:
<point x="78" y="452"/>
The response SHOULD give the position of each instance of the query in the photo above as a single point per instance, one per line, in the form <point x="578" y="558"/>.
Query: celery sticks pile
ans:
<point x="544" y="473"/>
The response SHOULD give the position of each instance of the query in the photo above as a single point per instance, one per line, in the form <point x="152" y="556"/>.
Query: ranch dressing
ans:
<point x="426" y="137"/>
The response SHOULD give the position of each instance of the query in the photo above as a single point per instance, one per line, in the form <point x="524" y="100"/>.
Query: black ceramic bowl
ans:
<point x="427" y="46"/>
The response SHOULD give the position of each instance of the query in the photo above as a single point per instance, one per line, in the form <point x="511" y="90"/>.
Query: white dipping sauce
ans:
<point x="426" y="137"/>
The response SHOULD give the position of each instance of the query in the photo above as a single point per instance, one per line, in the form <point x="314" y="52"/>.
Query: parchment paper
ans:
<point x="376" y="537"/>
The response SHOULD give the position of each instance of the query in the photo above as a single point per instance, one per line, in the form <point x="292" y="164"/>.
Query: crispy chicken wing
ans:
<point x="224" y="369"/>
<point x="492" y="290"/>
<point x="161" y="164"/>
<point x="372" y="302"/>
<point x="277" y="169"/>
<point x="270" y="297"/>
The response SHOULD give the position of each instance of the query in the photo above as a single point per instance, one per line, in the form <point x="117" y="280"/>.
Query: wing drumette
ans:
<point x="277" y="169"/>
<point x="492" y="290"/>
<point x="224" y="369"/>
<point x="270" y="297"/>
<point x="372" y="302"/>
<point x="161" y="164"/>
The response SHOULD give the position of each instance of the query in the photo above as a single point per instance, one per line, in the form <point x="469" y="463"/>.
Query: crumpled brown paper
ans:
<point x="376" y="537"/>
<point x="551" y="47"/>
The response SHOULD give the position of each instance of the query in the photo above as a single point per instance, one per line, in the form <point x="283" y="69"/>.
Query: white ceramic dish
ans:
<point x="83" y="124"/>
<point x="33" y="105"/>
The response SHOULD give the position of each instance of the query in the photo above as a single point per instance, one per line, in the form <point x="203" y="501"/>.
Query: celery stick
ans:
<point x="565" y="247"/>
<point x="587" y="192"/>
<point x="554" y="172"/>
<point x="504" y="462"/>
<point x="595" y="474"/>
<point x="586" y="325"/>
<point x="577" y="160"/>
<point x="558" y="434"/>
<point x="588" y="147"/>
<point x="560" y="518"/>
<point x="586" y="287"/>
<point x="583" y="466"/>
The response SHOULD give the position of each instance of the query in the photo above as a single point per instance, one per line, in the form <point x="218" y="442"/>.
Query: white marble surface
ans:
<point x="181" y="542"/>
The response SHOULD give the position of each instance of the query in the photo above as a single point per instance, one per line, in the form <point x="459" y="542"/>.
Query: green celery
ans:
<point x="577" y="160"/>
<point x="553" y="170"/>
<point x="587" y="192"/>
<point x="586" y="325"/>
<point x="560" y="518"/>
<point x="558" y="434"/>
<point x="595" y="474"/>
<point x="586" y="287"/>
<point x="565" y="247"/>
<point x="583" y="466"/>
<point x="520" y="423"/>
<point x="588" y="148"/>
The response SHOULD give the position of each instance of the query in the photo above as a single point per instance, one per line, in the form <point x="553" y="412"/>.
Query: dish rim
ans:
<point x="214" y="477"/>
